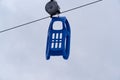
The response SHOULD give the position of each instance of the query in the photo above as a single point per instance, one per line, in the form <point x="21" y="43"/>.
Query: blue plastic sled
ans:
<point x="58" y="41"/>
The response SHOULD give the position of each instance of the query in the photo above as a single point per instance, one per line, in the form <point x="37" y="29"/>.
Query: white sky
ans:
<point x="95" y="41"/>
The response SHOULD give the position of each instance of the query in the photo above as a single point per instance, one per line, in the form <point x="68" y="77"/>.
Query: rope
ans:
<point x="21" y="25"/>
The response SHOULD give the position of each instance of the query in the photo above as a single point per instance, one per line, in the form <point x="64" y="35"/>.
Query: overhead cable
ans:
<point x="48" y="16"/>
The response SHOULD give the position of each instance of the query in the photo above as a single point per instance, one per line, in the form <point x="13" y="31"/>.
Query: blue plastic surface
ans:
<point x="58" y="41"/>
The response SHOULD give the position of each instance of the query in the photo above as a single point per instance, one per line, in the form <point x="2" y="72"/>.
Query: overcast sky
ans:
<point x="95" y="41"/>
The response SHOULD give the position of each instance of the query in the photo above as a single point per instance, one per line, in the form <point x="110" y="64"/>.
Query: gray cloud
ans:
<point x="94" y="42"/>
